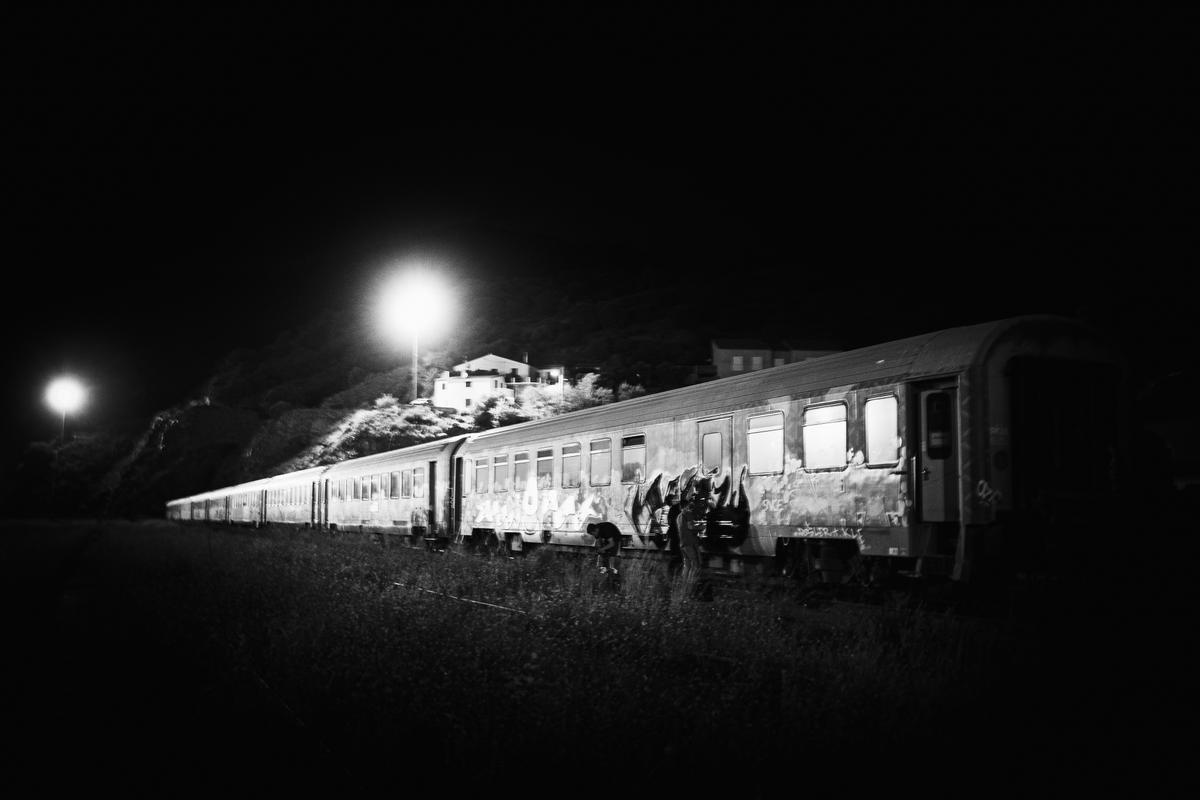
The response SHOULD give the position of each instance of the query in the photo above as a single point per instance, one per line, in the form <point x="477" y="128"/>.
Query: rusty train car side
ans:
<point x="952" y="453"/>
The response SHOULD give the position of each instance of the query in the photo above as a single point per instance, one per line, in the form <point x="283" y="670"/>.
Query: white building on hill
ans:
<point x="465" y="386"/>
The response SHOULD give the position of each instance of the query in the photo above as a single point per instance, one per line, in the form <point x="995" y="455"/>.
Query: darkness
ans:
<point x="178" y="186"/>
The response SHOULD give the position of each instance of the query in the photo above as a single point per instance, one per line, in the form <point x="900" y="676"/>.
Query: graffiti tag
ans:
<point x="987" y="494"/>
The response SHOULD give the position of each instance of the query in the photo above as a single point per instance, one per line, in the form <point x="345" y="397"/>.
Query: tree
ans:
<point x="498" y="410"/>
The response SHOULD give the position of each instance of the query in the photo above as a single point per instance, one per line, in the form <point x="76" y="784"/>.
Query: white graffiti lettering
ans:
<point x="987" y="494"/>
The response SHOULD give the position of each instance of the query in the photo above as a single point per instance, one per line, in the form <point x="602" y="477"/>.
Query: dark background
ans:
<point x="177" y="186"/>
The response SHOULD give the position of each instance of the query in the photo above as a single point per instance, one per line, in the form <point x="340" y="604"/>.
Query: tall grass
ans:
<point x="379" y="656"/>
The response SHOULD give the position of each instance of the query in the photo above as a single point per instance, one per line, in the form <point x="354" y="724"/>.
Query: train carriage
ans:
<point x="291" y="498"/>
<point x="405" y="491"/>
<point x="918" y="454"/>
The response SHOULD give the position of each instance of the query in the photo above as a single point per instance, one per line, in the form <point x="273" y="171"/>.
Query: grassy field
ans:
<point x="219" y="659"/>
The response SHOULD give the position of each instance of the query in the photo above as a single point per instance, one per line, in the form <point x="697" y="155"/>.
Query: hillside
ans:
<point x="326" y="390"/>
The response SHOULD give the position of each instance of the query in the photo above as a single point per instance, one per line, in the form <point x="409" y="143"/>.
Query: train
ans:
<point x="955" y="454"/>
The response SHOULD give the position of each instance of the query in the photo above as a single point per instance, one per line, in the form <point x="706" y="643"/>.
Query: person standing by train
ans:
<point x="693" y="521"/>
<point x="608" y="546"/>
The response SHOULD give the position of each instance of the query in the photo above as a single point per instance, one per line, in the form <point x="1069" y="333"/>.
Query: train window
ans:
<point x="394" y="485"/>
<point x="406" y="483"/>
<point x="481" y="475"/>
<point x="374" y="487"/>
<point x="736" y="366"/>
<point x="825" y="436"/>
<point x="520" y="471"/>
<point x="419" y="482"/>
<point x="600" y="468"/>
<point x="939" y="425"/>
<point x="764" y="443"/>
<point x="545" y="468"/>
<point x="883" y="430"/>
<point x="710" y="450"/>
<point x="500" y="476"/>
<point x="633" y="459"/>
<point x="570" y="466"/>
<point x="755" y="362"/>
<point x="366" y="487"/>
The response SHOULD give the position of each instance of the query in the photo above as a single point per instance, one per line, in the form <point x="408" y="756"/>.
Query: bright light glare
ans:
<point x="415" y="303"/>
<point x="65" y="395"/>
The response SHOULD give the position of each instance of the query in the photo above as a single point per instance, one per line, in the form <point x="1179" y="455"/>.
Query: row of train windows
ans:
<point x="632" y="459"/>
<point x="824" y="437"/>
<point x="394" y="485"/>
<point x="291" y="496"/>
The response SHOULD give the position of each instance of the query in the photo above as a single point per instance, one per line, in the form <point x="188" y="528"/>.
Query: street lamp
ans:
<point x="413" y="304"/>
<point x="65" y="395"/>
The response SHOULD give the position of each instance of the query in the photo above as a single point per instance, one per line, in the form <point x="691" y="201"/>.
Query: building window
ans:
<point x="764" y="443"/>
<point x="520" y="471"/>
<point x="419" y="482"/>
<point x="500" y="476"/>
<point x="468" y="384"/>
<point x="883" y="430"/>
<point x="481" y="475"/>
<point x="825" y="436"/>
<point x="443" y="387"/>
<point x="600" y="468"/>
<point x="467" y="402"/>
<point x="756" y="362"/>
<point x="633" y="459"/>
<point x="737" y="366"/>
<point x="570" y="466"/>
<point x="545" y="468"/>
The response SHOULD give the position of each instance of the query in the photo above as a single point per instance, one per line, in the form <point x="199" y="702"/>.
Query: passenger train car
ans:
<point x="967" y="449"/>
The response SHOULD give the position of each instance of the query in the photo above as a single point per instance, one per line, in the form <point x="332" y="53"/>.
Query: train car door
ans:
<point x="431" y="527"/>
<point x="324" y="504"/>
<point x="714" y="445"/>
<point x="313" y="504"/>
<point x="456" y="498"/>
<point x="937" y="470"/>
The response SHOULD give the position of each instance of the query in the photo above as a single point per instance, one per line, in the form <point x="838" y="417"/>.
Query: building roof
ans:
<point x="466" y="364"/>
<point x="741" y="344"/>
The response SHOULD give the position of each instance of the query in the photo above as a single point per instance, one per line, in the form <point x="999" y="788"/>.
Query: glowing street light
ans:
<point x="413" y="304"/>
<point x="65" y="395"/>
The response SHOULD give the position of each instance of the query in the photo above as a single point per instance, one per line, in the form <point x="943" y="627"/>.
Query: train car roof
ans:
<point x="290" y="478"/>
<point x="925" y="355"/>
<point x="393" y="457"/>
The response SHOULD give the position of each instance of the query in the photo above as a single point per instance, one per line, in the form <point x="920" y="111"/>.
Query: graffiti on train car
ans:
<point x="856" y="496"/>
<point x="838" y="501"/>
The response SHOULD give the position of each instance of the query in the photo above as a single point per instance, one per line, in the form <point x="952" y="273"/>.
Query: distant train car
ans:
<point x="291" y="499"/>
<point x="939" y="454"/>
<point x="404" y="491"/>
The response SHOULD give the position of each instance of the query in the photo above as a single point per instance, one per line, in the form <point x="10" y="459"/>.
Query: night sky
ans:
<point x="180" y="186"/>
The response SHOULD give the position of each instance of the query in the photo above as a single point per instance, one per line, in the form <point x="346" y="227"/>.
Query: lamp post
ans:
<point x="413" y="303"/>
<point x="65" y="395"/>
